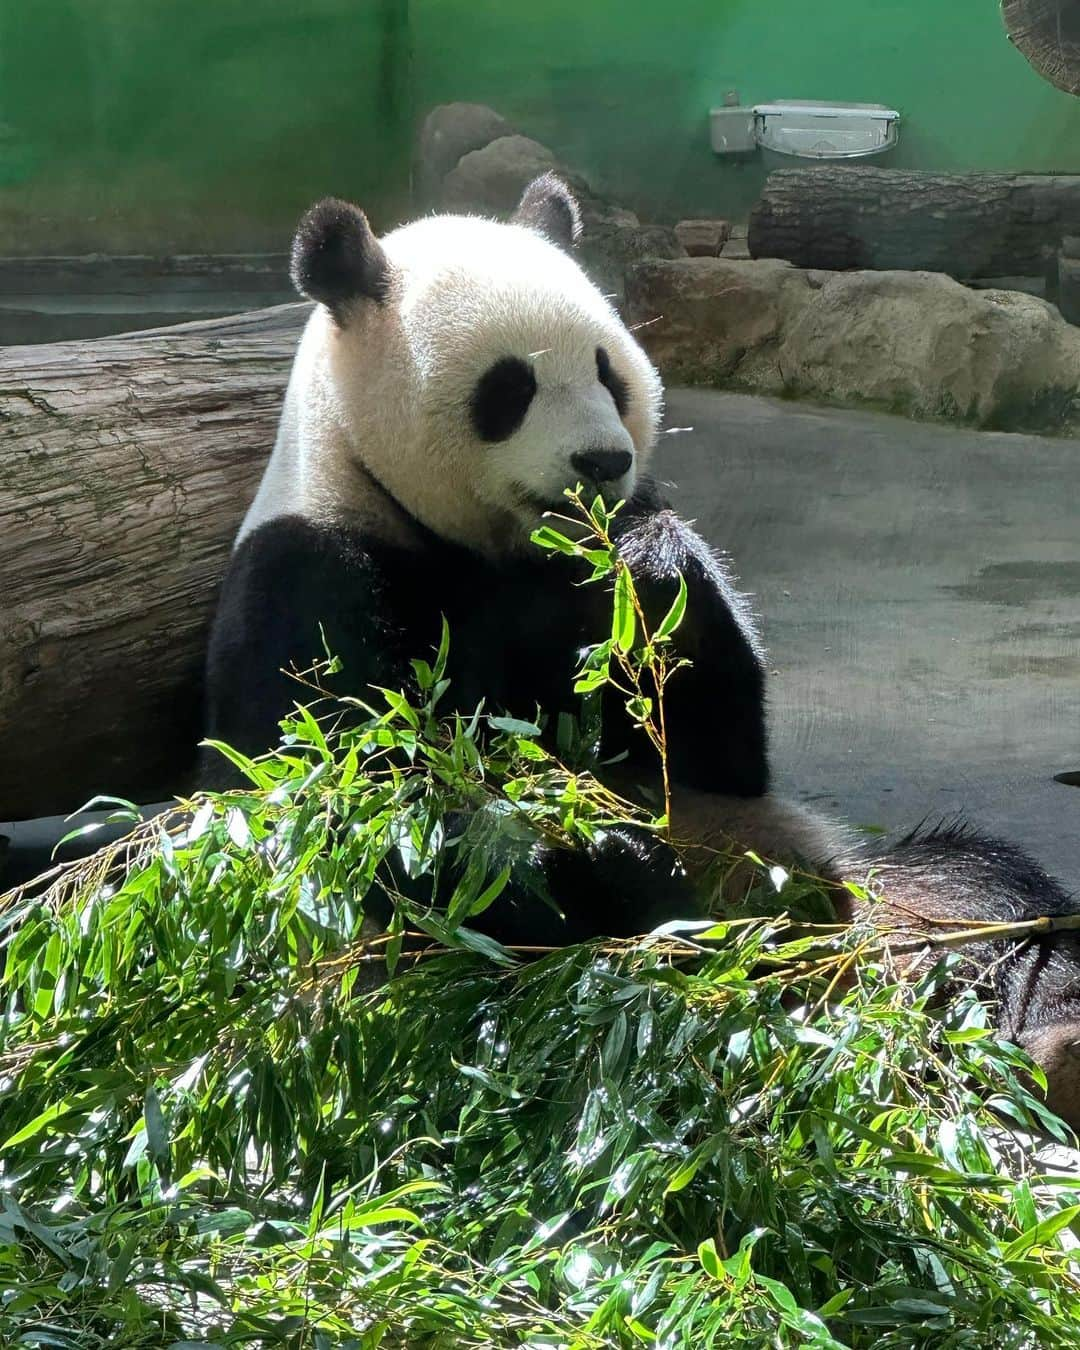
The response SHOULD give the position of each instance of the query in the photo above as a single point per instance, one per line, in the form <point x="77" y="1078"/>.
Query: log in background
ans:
<point x="964" y="224"/>
<point x="126" y="465"/>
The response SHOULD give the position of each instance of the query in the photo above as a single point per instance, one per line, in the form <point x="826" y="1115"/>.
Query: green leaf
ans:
<point x="623" y="621"/>
<point x="37" y="1125"/>
<point x="443" y="654"/>
<point x="490" y="893"/>
<point x="671" y="620"/>
<point x="546" y="537"/>
<point x="683" y="1177"/>
<point x="157" y="1134"/>
<point x="640" y="709"/>
<point x="592" y="679"/>
<point x="710" y="1260"/>
<point x="780" y="1292"/>
<point x="514" y="726"/>
<point x="237" y="826"/>
<point x="834" y="1304"/>
<point x="1041" y="1233"/>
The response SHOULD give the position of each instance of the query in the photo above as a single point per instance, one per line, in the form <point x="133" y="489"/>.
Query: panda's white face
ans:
<point x="488" y="377"/>
<point x="526" y="362"/>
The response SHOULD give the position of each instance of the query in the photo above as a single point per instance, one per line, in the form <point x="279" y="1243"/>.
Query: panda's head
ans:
<point x="469" y="368"/>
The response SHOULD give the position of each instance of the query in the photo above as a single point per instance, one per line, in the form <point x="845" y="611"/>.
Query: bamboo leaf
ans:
<point x="623" y="621"/>
<point x="674" y="617"/>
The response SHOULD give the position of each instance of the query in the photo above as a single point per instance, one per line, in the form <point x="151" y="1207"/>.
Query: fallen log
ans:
<point x="126" y="464"/>
<point x="965" y="224"/>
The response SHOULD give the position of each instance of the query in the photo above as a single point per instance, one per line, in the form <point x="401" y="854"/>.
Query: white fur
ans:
<point x="376" y="426"/>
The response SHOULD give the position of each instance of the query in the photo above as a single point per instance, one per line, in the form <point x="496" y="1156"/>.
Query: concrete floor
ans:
<point x="919" y="588"/>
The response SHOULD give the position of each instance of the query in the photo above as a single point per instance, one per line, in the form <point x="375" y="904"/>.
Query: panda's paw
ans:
<point x="624" y="884"/>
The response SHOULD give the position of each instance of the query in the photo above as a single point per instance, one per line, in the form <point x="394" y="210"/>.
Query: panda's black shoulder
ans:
<point x="294" y="560"/>
<point x="297" y="589"/>
<point x="288" y="541"/>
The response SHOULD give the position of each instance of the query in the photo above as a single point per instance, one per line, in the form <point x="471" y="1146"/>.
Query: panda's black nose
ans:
<point x="602" y="466"/>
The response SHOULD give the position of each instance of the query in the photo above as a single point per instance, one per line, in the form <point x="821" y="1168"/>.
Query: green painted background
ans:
<point x="622" y="89"/>
<point x="180" y="125"/>
<point x="191" y="125"/>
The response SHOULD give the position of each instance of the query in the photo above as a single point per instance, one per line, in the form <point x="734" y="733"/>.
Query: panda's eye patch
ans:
<point x="612" y="381"/>
<point x="501" y="398"/>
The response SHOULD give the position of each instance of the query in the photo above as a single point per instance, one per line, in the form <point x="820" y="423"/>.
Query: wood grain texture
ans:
<point x="1048" y="34"/>
<point x="126" y="464"/>
<point x="967" y="224"/>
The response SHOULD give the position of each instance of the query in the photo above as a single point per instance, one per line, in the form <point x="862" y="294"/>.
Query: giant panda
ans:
<point x="454" y="377"/>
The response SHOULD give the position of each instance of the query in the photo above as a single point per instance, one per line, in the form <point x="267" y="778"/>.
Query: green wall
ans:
<point x="191" y="125"/>
<point x="622" y="88"/>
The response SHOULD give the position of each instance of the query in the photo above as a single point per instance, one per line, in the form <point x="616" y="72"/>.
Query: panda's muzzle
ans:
<point x="602" y="466"/>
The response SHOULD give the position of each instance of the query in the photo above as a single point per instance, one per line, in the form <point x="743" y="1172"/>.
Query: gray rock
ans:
<point x="922" y="344"/>
<point x="492" y="179"/>
<point x="611" y="244"/>
<point x="713" y="321"/>
<point x="450" y="131"/>
<point x="1068" y="288"/>
<point x="703" y="238"/>
<point x="916" y="343"/>
<point x="736" y="247"/>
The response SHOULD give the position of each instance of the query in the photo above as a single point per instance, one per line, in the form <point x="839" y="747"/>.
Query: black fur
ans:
<point x="625" y="883"/>
<point x="336" y="260"/>
<point x="502" y="398"/>
<point x="548" y="206"/>
<point x="716" y="708"/>
<point x="516" y="631"/>
<point x="612" y="381"/>
<point x="934" y="881"/>
<point x="953" y="874"/>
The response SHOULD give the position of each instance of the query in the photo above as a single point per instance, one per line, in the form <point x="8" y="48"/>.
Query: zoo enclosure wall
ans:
<point x="208" y="125"/>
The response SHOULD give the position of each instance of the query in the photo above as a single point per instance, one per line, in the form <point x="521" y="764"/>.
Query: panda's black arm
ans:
<point x="626" y="883"/>
<point x="289" y="585"/>
<point x="715" y="708"/>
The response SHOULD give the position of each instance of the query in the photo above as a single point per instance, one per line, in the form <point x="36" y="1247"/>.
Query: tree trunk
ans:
<point x="126" y="464"/>
<point x="1048" y="33"/>
<point x="968" y="225"/>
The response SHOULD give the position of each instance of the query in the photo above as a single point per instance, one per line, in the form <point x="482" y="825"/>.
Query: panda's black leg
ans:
<point x="626" y="883"/>
<point x="958" y="875"/>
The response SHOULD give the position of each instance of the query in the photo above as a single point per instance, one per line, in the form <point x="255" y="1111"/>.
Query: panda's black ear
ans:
<point x="548" y="205"/>
<point x="337" y="260"/>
